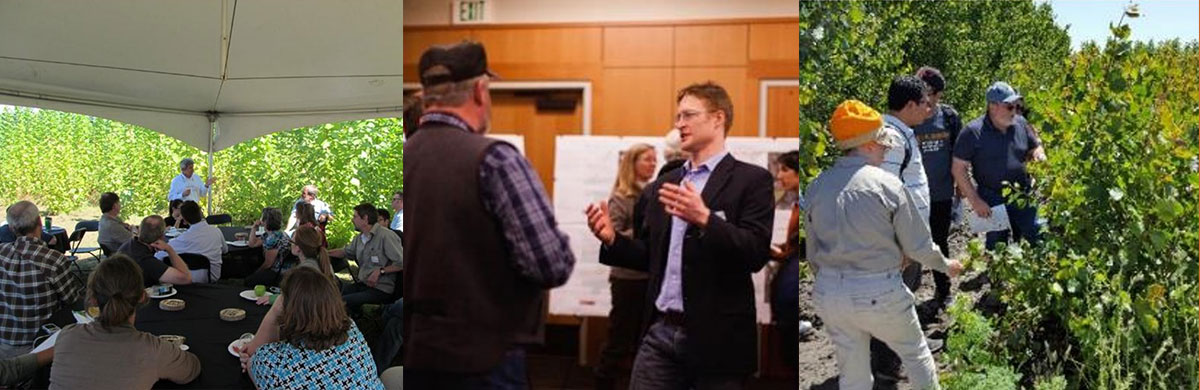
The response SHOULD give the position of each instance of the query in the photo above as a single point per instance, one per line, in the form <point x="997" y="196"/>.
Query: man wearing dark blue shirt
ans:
<point x="995" y="147"/>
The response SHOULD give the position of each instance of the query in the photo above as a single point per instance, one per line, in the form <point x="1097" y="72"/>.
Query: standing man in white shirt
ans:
<point x="202" y="239"/>
<point x="908" y="105"/>
<point x="188" y="186"/>
<point x="398" y="209"/>
<point x="323" y="213"/>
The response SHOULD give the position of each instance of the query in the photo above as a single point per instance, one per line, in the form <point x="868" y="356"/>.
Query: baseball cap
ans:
<point x="1001" y="92"/>
<point x="451" y="63"/>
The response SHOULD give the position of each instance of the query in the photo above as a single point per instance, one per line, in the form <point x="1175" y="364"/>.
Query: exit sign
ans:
<point x="472" y="11"/>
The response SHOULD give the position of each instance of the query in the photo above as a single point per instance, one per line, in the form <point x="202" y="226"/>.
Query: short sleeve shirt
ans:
<point x="143" y="255"/>
<point x="996" y="157"/>
<point x="349" y="365"/>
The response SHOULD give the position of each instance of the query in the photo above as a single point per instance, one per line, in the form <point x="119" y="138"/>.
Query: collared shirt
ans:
<point x="36" y="281"/>
<point x="376" y="249"/>
<point x="996" y="156"/>
<point x="398" y="221"/>
<point x="860" y="219"/>
<point x="670" y="296"/>
<point x="319" y="208"/>
<point x="913" y="176"/>
<point x="511" y="190"/>
<point x="181" y="183"/>
<point x="202" y="239"/>
<point x="113" y="232"/>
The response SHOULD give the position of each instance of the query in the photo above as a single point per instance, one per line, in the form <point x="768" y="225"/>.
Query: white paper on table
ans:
<point x="46" y="344"/>
<point x="997" y="222"/>
<point x="82" y="317"/>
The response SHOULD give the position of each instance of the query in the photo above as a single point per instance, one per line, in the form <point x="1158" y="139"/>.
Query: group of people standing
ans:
<point x="683" y="245"/>
<point x="884" y="210"/>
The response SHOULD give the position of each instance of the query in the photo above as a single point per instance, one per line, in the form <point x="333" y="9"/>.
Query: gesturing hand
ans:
<point x="600" y="222"/>
<point x="684" y="202"/>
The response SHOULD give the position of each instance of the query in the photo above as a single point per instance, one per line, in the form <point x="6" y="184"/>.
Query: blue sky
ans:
<point x="1160" y="20"/>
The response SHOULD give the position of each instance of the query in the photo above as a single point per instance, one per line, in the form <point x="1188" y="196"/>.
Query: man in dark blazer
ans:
<point x="704" y="229"/>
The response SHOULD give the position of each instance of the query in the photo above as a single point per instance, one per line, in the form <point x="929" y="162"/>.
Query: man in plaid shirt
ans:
<point x="35" y="281"/>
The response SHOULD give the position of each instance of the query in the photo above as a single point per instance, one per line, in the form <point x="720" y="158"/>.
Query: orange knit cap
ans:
<point x="854" y="123"/>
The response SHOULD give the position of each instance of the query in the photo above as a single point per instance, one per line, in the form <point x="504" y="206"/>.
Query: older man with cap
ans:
<point x="996" y="147"/>
<point x="188" y="186"/>
<point x="860" y="223"/>
<point x="482" y="245"/>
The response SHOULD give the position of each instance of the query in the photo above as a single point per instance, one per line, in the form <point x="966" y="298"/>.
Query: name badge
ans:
<point x="375" y="259"/>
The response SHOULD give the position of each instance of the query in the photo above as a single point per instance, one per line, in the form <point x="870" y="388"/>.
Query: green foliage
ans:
<point x="1119" y="267"/>
<point x="1109" y="300"/>
<point x="63" y="161"/>
<point x="990" y="377"/>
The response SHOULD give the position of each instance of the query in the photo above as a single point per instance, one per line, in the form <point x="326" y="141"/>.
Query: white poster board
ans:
<point x="515" y="139"/>
<point x="585" y="168"/>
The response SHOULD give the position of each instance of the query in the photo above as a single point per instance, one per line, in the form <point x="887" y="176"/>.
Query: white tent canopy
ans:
<point x="211" y="73"/>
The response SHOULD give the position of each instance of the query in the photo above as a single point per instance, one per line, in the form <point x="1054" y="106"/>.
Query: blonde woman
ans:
<point x="628" y="287"/>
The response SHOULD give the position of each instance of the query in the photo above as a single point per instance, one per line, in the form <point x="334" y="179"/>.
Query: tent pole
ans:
<point x="212" y="133"/>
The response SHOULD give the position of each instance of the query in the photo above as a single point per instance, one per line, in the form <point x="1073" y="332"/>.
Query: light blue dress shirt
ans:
<point x="670" y="296"/>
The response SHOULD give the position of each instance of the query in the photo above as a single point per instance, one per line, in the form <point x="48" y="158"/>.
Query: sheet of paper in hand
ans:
<point x="997" y="222"/>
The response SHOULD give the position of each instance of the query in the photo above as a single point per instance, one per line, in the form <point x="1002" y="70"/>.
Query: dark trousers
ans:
<point x="392" y="338"/>
<point x="624" y="325"/>
<point x="1022" y="220"/>
<point x="509" y="375"/>
<point x="267" y="277"/>
<point x="660" y="364"/>
<point x="939" y="227"/>
<point x="785" y="309"/>
<point x="358" y="294"/>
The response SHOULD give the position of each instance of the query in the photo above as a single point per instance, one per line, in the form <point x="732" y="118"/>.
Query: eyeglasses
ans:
<point x="687" y="115"/>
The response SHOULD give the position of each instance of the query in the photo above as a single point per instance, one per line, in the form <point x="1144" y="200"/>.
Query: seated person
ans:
<point x="304" y="217"/>
<point x="37" y="282"/>
<point x="273" y="242"/>
<point x="321" y="211"/>
<point x="110" y="353"/>
<point x="379" y="255"/>
<point x="202" y="239"/>
<point x="175" y="219"/>
<point x="307" y="331"/>
<point x="113" y="231"/>
<point x="7" y="236"/>
<point x="142" y="249"/>
<point x="385" y="218"/>
<point x="17" y="370"/>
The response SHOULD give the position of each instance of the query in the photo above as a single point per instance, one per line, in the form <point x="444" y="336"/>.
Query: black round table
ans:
<point x="207" y="335"/>
<point x="63" y="242"/>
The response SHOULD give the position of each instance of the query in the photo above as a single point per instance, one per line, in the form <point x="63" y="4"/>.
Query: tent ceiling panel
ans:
<point x="163" y="65"/>
<point x="110" y="86"/>
<point x="191" y="129"/>
<point x="177" y="37"/>
<point x="311" y="94"/>
<point x="298" y="38"/>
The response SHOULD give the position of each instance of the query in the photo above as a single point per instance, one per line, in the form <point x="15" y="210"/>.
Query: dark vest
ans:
<point x="464" y="303"/>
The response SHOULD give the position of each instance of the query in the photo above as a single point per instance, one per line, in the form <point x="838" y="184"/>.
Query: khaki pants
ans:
<point x="856" y="307"/>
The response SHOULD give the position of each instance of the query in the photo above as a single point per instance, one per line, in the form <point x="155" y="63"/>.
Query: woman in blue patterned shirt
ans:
<point x="306" y="340"/>
<point x="274" y="243"/>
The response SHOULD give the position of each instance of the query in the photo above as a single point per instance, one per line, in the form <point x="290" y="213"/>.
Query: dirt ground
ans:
<point x="818" y="365"/>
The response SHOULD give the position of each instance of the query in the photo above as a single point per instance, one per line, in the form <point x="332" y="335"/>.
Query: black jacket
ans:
<point x="718" y="293"/>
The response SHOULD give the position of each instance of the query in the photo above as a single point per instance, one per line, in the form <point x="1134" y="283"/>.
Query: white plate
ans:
<point x="238" y="243"/>
<point x="249" y="295"/>
<point x="150" y="292"/>
<point x="237" y="343"/>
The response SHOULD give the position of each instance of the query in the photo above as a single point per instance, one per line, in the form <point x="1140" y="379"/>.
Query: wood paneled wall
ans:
<point x="635" y="70"/>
